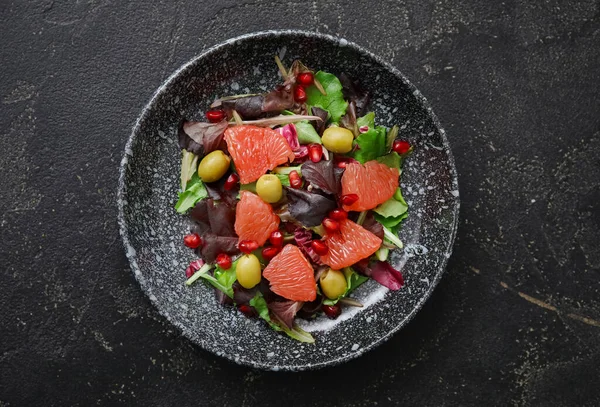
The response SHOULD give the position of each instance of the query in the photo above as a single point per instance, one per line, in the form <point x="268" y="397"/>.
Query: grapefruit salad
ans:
<point x="294" y="197"/>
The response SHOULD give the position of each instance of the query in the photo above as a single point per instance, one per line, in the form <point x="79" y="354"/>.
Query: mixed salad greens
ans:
<point x="294" y="196"/>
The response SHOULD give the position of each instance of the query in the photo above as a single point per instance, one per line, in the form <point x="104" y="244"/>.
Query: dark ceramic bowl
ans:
<point x="152" y="231"/>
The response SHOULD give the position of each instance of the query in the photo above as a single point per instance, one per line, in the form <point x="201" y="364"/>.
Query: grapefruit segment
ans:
<point x="254" y="219"/>
<point x="291" y="275"/>
<point x="351" y="244"/>
<point x="256" y="150"/>
<point x="374" y="183"/>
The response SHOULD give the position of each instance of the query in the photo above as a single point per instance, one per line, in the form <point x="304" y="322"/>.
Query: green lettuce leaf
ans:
<point x="333" y="101"/>
<point x="285" y="179"/>
<point x="260" y="305"/>
<point x="372" y="144"/>
<point x="391" y="222"/>
<point x="307" y="133"/>
<point x="367" y="120"/>
<point x="392" y="207"/>
<point x="226" y="278"/>
<point x="392" y="160"/>
<point x="392" y="212"/>
<point x="194" y="192"/>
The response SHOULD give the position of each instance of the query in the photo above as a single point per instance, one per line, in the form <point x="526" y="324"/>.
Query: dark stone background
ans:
<point x="515" y="320"/>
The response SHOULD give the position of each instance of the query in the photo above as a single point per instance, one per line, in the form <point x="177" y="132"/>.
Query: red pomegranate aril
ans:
<point x="305" y="78"/>
<point x="224" y="261"/>
<point x="276" y="238"/>
<point x="248" y="246"/>
<point x="401" y="146"/>
<point x="349" y="199"/>
<point x="247" y="310"/>
<point x="332" y="311"/>
<point x="231" y="182"/>
<point x="193" y="241"/>
<point x="315" y="152"/>
<point x="338" y="214"/>
<point x="330" y="225"/>
<point x="269" y="252"/>
<point x="299" y="94"/>
<point x="215" y="116"/>
<point x="320" y="247"/>
<point x="295" y="180"/>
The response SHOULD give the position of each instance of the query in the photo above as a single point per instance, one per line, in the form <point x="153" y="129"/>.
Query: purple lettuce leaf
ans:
<point x="279" y="99"/>
<point x="201" y="138"/>
<point x="303" y="237"/>
<point x="222" y="298"/>
<point x="322" y="175"/>
<point x="353" y="92"/>
<point x="319" y="125"/>
<point x="310" y="309"/>
<point x="213" y="244"/>
<point x="187" y="143"/>
<point x="285" y="310"/>
<point x="243" y="295"/>
<point x="249" y="107"/>
<point x="348" y="121"/>
<point x="215" y="225"/>
<point x="308" y="208"/>
<point x="222" y="218"/>
<point x="253" y="107"/>
<point x="217" y="217"/>
<point x="371" y="224"/>
<point x="384" y="274"/>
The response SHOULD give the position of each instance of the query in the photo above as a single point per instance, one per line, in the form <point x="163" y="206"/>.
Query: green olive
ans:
<point x="248" y="271"/>
<point x="338" y="139"/>
<point x="213" y="166"/>
<point x="269" y="188"/>
<point x="333" y="283"/>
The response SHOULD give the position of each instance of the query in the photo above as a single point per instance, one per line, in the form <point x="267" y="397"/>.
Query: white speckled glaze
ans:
<point x="152" y="231"/>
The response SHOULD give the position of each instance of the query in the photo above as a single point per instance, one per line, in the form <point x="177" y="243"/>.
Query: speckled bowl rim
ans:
<point x="342" y="42"/>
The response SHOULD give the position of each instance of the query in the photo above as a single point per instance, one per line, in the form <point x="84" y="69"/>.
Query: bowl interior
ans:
<point x="152" y="230"/>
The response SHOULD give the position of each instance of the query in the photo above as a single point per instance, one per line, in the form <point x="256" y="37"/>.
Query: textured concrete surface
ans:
<point x="516" y="319"/>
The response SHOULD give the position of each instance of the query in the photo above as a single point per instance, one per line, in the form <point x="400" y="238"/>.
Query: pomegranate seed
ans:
<point x="342" y="162"/>
<point x="231" y="182"/>
<point x="320" y="247"/>
<point x="401" y="146"/>
<point x="247" y="310"/>
<point x="299" y="94"/>
<point x="338" y="214"/>
<point x="215" y="116"/>
<point x="276" y="238"/>
<point x="349" y="199"/>
<point x="248" y="246"/>
<point x="330" y="225"/>
<point x="192" y="241"/>
<point x="295" y="180"/>
<point x="305" y="78"/>
<point x="224" y="261"/>
<point x="269" y="252"/>
<point x="315" y="152"/>
<point x="332" y="311"/>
